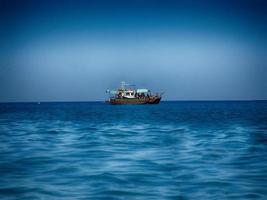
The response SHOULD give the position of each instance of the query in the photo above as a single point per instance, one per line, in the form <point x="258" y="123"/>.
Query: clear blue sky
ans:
<point x="75" y="50"/>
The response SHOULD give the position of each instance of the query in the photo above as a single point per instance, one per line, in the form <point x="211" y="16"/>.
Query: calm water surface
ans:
<point x="174" y="150"/>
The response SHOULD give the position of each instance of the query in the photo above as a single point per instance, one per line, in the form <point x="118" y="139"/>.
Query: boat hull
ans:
<point x="122" y="101"/>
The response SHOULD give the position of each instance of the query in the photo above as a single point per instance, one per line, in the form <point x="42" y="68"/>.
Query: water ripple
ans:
<point x="174" y="150"/>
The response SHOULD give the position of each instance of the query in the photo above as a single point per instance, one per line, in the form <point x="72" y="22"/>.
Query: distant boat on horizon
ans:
<point x="130" y="95"/>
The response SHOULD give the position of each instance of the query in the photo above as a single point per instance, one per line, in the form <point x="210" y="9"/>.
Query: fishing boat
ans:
<point x="127" y="94"/>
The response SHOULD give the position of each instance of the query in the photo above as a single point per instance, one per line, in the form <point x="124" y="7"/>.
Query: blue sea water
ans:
<point x="174" y="150"/>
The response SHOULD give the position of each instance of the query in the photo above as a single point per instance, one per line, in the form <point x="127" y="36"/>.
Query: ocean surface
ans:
<point x="174" y="150"/>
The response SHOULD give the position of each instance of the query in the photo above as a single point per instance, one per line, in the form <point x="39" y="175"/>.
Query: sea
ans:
<point x="175" y="150"/>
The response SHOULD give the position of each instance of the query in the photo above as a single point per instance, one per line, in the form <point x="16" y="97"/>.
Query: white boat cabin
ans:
<point x="128" y="93"/>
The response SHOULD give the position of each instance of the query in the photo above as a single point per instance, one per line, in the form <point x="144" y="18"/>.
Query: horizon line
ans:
<point x="98" y="101"/>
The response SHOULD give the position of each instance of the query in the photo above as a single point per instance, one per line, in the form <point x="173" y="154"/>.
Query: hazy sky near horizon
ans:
<point x="75" y="50"/>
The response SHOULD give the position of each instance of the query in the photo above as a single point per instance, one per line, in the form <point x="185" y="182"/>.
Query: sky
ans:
<point x="76" y="50"/>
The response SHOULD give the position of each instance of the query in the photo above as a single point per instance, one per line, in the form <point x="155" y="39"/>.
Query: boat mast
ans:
<point x="123" y="85"/>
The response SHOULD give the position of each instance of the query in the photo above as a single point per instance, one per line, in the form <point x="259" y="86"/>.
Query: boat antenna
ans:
<point x="123" y="85"/>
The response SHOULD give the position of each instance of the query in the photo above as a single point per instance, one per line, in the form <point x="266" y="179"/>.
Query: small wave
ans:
<point x="169" y="151"/>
